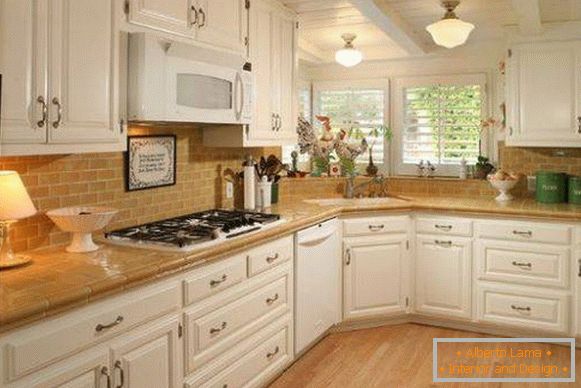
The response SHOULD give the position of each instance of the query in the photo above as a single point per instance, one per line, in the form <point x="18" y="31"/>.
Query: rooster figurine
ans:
<point x="348" y="151"/>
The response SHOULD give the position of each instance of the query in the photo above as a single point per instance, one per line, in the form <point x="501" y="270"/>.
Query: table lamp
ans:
<point x="15" y="204"/>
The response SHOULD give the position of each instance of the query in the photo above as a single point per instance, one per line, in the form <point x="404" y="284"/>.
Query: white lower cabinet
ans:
<point x="375" y="276"/>
<point x="443" y="276"/>
<point x="148" y="357"/>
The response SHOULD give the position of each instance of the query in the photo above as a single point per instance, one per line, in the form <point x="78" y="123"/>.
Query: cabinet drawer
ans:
<point x="375" y="225"/>
<point x="218" y="323"/>
<point x="533" y="264"/>
<point x="214" y="278"/>
<point x="269" y="255"/>
<point x="524" y="307"/>
<point x="254" y="363"/>
<point x="41" y="344"/>
<point x="452" y="227"/>
<point x="520" y="231"/>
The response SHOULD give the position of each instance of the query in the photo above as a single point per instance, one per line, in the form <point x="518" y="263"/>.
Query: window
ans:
<point x="356" y="107"/>
<point x="438" y="120"/>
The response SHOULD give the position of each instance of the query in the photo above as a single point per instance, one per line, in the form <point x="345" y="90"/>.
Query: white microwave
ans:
<point x="177" y="82"/>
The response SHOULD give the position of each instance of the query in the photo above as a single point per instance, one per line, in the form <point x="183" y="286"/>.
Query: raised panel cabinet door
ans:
<point x="546" y="96"/>
<point x="443" y="276"/>
<point x="83" y="73"/>
<point x="287" y="104"/>
<point x="172" y="16"/>
<point x="374" y="276"/>
<point x="148" y="357"/>
<point x="260" y="52"/>
<point x="23" y="65"/>
<point x="221" y="23"/>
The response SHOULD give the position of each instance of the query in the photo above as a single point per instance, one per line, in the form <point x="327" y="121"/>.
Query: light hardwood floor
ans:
<point x="397" y="356"/>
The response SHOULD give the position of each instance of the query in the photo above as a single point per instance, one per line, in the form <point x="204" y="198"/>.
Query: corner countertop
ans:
<point x="58" y="281"/>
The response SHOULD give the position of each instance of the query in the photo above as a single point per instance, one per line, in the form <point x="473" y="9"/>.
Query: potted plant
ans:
<point x="381" y="132"/>
<point x="482" y="168"/>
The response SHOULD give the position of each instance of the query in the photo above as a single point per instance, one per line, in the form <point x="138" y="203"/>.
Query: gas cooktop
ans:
<point x="193" y="231"/>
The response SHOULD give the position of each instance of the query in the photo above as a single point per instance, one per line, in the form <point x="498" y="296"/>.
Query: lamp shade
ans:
<point x="348" y="56"/>
<point x="450" y="32"/>
<point x="15" y="203"/>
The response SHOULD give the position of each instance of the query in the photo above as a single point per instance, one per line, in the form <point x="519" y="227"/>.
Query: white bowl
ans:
<point x="81" y="221"/>
<point x="504" y="187"/>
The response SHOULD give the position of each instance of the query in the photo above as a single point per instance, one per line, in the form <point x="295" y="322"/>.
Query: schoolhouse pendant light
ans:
<point x="348" y="56"/>
<point x="450" y="31"/>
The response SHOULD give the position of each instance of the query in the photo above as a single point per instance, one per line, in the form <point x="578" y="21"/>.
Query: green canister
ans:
<point x="575" y="189"/>
<point x="551" y="187"/>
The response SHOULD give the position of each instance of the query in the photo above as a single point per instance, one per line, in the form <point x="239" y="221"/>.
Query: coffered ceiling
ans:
<point x="389" y="29"/>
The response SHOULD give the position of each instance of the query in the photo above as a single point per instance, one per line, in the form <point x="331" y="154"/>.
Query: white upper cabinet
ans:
<point x="214" y="23"/>
<point x="222" y="23"/>
<point x="544" y="94"/>
<point x="172" y="16"/>
<point x="23" y="63"/>
<point x="61" y="77"/>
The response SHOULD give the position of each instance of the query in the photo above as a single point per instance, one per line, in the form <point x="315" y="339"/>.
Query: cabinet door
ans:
<point x="82" y="73"/>
<point x="443" y="276"/>
<point x="545" y="95"/>
<point x="287" y="103"/>
<point x="173" y="16"/>
<point x="85" y="370"/>
<point x="375" y="277"/>
<point x="23" y="56"/>
<point x="221" y="23"/>
<point x="261" y="30"/>
<point x="148" y="357"/>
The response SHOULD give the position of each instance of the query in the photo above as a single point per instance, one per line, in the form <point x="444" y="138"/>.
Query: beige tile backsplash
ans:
<point x="98" y="179"/>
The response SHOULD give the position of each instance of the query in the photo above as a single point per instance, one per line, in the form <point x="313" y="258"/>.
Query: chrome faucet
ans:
<point x="351" y="188"/>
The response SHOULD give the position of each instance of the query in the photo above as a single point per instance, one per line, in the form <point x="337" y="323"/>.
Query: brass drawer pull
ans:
<point x="273" y="353"/>
<point x="59" y="113"/>
<point x="100" y="327"/>
<point x="105" y="372"/>
<point x="195" y="19"/>
<point x="42" y="101"/>
<point x="446" y="228"/>
<point x="375" y="228"/>
<point x="270" y="259"/>
<point x="522" y="265"/>
<point x="445" y="244"/>
<point x="121" y="374"/>
<point x="518" y="308"/>
<point x="214" y="283"/>
<point x="270" y="301"/>
<point x="348" y="254"/>
<point x="215" y="330"/>
<point x="528" y="233"/>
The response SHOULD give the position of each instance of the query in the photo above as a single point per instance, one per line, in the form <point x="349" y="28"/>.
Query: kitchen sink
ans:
<point x="356" y="201"/>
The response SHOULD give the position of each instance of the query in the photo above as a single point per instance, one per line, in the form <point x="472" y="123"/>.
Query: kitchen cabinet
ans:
<point x="59" y="97"/>
<point x="443" y="276"/>
<point x="375" y="276"/>
<point x="543" y="94"/>
<point x="148" y="357"/>
<point x="214" y="23"/>
<point x="272" y="54"/>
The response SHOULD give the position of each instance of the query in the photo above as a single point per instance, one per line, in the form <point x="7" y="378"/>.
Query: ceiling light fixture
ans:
<point x="348" y="56"/>
<point x="450" y="31"/>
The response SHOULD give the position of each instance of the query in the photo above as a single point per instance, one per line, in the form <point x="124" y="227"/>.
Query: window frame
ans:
<point x="372" y="83"/>
<point x="397" y="98"/>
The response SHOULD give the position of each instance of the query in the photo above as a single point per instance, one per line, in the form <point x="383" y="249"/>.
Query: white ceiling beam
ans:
<point x="528" y="16"/>
<point x="393" y="25"/>
<point x="310" y="53"/>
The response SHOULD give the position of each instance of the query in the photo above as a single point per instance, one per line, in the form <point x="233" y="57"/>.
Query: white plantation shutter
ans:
<point x="356" y="107"/>
<point x="439" y="122"/>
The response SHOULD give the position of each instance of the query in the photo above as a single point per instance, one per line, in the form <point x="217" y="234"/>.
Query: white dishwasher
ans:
<point x="317" y="282"/>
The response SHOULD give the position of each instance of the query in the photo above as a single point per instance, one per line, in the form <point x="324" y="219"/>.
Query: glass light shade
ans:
<point x="450" y="32"/>
<point x="348" y="57"/>
<point x="15" y="203"/>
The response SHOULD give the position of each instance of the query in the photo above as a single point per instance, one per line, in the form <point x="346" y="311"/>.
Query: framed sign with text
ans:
<point x="150" y="162"/>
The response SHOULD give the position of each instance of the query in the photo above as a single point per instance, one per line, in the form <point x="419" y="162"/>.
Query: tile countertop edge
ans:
<point x="37" y="307"/>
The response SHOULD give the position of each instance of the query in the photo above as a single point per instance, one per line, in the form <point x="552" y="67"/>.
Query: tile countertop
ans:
<point x="57" y="281"/>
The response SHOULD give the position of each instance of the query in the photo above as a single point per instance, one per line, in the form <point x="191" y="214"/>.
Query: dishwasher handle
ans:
<point x="317" y="234"/>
